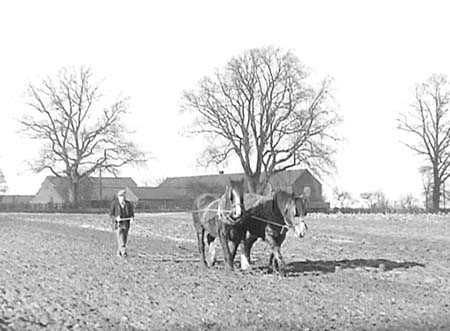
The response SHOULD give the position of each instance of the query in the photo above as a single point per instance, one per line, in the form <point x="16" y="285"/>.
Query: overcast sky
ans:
<point x="376" y="51"/>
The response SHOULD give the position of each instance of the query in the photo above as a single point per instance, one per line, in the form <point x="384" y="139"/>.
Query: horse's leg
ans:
<point x="271" y="256"/>
<point x="281" y="263"/>
<point x="247" y="244"/>
<point x="223" y="236"/>
<point x="200" y="241"/>
<point x="211" y="258"/>
<point x="276" y="259"/>
<point x="232" y="247"/>
<point x="236" y="236"/>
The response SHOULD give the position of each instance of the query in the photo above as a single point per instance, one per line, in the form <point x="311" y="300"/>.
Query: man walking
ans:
<point x="121" y="213"/>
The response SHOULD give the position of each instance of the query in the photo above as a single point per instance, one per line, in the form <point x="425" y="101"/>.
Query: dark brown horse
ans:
<point x="221" y="217"/>
<point x="270" y="218"/>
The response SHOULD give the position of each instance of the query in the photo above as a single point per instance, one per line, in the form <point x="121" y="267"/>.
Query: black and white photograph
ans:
<point x="224" y="165"/>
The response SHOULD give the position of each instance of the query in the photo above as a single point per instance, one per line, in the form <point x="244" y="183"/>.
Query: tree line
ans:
<point x="261" y="109"/>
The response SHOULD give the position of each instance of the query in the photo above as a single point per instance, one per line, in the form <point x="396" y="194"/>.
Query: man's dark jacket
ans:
<point x="116" y="210"/>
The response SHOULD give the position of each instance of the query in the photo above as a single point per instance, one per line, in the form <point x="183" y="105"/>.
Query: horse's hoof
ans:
<point x="245" y="264"/>
<point x="248" y="268"/>
<point x="210" y="263"/>
<point x="230" y="269"/>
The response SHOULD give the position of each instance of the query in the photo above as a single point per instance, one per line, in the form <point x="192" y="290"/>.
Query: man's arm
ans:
<point x="131" y="210"/>
<point x="112" y="210"/>
<point x="112" y="214"/>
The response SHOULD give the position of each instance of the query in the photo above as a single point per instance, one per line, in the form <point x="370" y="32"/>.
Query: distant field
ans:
<point x="351" y="272"/>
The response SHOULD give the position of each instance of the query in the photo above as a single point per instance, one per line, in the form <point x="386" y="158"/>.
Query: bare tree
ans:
<point x="344" y="198"/>
<point x="369" y="199"/>
<point x="260" y="109"/>
<point x="429" y="124"/>
<point x="80" y="135"/>
<point x="427" y="186"/>
<point x="409" y="203"/>
<point x="375" y="200"/>
<point x="3" y="186"/>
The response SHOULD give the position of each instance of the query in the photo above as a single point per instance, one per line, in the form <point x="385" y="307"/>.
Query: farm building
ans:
<point x="296" y="181"/>
<point x="11" y="202"/>
<point x="15" y="199"/>
<point x="54" y="190"/>
<point x="174" y="193"/>
<point x="158" y="198"/>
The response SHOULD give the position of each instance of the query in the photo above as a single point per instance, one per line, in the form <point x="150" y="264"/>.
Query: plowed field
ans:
<point x="352" y="272"/>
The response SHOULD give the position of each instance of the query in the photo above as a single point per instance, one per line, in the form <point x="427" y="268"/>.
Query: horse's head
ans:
<point x="293" y="210"/>
<point x="235" y="196"/>
<point x="302" y="205"/>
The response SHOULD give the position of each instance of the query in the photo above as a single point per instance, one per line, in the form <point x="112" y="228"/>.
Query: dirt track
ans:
<point x="59" y="272"/>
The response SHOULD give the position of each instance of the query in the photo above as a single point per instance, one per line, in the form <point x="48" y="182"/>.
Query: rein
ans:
<point x="282" y="226"/>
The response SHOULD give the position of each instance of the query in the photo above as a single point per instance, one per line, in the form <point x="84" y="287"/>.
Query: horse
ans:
<point x="221" y="217"/>
<point x="270" y="218"/>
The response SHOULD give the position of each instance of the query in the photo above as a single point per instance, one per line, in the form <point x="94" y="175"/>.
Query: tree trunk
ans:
<point x="73" y="194"/>
<point x="260" y="189"/>
<point x="436" y="195"/>
<point x="254" y="184"/>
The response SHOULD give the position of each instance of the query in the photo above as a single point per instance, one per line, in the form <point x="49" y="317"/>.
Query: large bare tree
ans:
<point x="428" y="124"/>
<point x="3" y="186"/>
<point x="261" y="109"/>
<point x="81" y="132"/>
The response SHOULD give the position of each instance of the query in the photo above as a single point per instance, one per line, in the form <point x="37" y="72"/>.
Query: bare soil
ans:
<point x="351" y="272"/>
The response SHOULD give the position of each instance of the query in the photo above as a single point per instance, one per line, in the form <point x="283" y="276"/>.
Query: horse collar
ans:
<point x="280" y="217"/>
<point x="225" y="215"/>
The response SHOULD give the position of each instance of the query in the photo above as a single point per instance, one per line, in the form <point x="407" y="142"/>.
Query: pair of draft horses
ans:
<point x="237" y="218"/>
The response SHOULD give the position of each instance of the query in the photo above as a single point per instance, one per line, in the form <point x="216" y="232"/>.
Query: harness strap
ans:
<point x="284" y="226"/>
<point x="223" y="214"/>
<point x="218" y="210"/>
<point x="270" y="222"/>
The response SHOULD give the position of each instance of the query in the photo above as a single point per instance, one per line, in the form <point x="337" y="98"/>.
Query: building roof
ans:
<point x="107" y="187"/>
<point x="286" y="178"/>
<point x="278" y="180"/>
<point x="185" y="181"/>
<point x="92" y="188"/>
<point x="157" y="193"/>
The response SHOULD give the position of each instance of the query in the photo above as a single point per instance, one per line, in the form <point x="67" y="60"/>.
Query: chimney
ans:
<point x="221" y="172"/>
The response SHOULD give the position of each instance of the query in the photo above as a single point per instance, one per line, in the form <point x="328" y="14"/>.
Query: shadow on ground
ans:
<point x="323" y="266"/>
